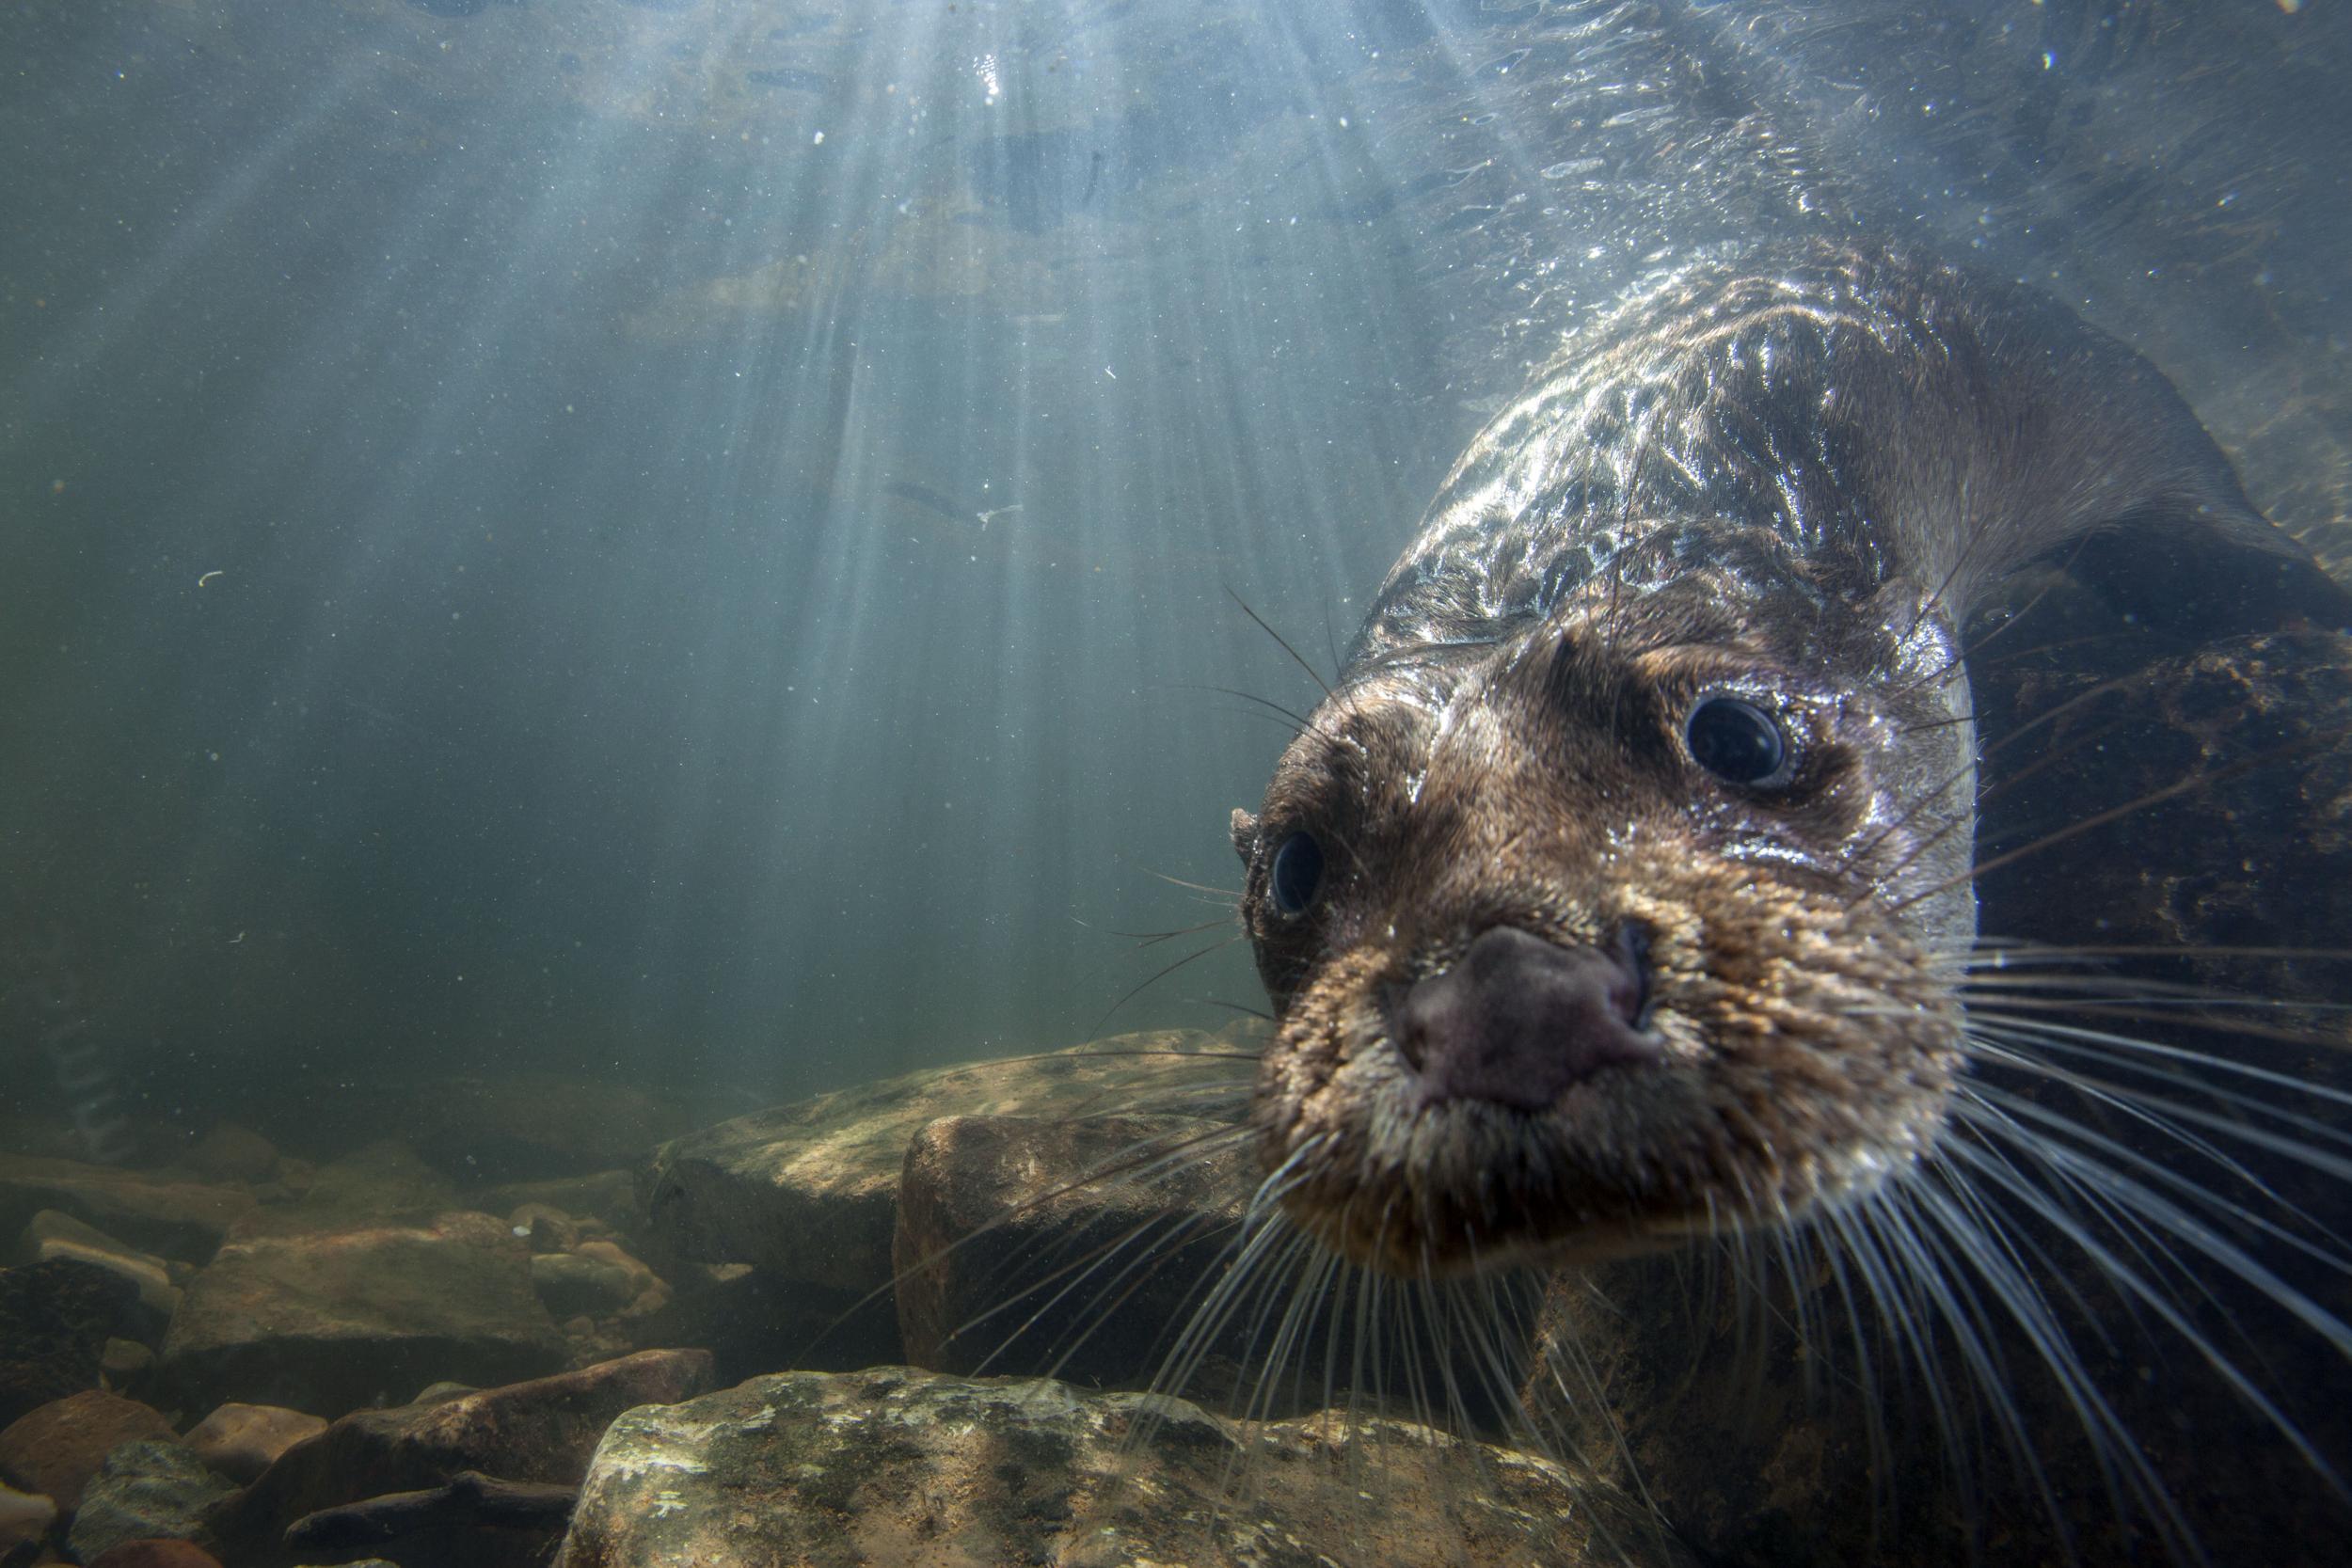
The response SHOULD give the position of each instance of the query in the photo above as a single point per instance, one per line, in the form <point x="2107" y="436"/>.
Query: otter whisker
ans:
<point x="1298" y="721"/>
<point x="1229" y="894"/>
<point x="1152" y="939"/>
<point x="1978" y="1248"/>
<point x="2075" y="745"/>
<point x="2201" y="778"/>
<point x="2144" y="1056"/>
<point x="2146" y="1205"/>
<point x="1162" y="974"/>
<point x="2020" y="1111"/>
<point x="1959" y="776"/>
<point x="1962" y="659"/>
<point x="1278" y="641"/>
<point x="1165" y="1234"/>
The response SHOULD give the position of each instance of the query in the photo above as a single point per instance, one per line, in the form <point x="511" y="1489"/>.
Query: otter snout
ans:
<point x="1518" y="1021"/>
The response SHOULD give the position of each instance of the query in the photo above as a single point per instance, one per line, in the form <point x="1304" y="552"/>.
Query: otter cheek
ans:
<point x="1518" y="1021"/>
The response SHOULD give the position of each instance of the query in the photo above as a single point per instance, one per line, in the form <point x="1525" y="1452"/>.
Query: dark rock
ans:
<point x="143" y="1491"/>
<point x="896" y="1466"/>
<point x="1023" y="1232"/>
<point x="156" y="1554"/>
<point x="569" y="1285"/>
<point x="547" y="1228"/>
<point x="54" y="1320"/>
<point x="380" y="1181"/>
<point x="175" y="1218"/>
<point x="328" y="1321"/>
<point x="609" y="1196"/>
<point x="441" y="1523"/>
<point x="539" y="1432"/>
<point x="752" y="1324"/>
<point x="232" y="1153"/>
<point x="57" y="1448"/>
<point x="510" y="1128"/>
<point x="243" y="1440"/>
<point x="51" y="1234"/>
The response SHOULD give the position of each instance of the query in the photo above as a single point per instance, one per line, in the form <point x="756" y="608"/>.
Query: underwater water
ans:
<point x="577" y="569"/>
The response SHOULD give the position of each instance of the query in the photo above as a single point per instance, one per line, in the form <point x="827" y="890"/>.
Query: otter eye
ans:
<point x="1296" y="874"/>
<point x="1737" y="743"/>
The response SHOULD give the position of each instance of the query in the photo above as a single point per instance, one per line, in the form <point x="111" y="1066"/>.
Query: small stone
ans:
<point x="547" y="1228"/>
<point x="443" y="1392"/>
<point x="51" y="1234"/>
<point x="597" y="1198"/>
<point x="144" y="1491"/>
<point x="571" y="1285"/>
<point x="125" y="1360"/>
<point x="243" y="1440"/>
<point x="23" y="1516"/>
<point x="57" y="1448"/>
<point x="232" y="1153"/>
<point x="159" y="1553"/>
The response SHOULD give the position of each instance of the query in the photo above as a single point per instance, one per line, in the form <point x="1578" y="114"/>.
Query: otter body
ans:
<point x="1620" y="890"/>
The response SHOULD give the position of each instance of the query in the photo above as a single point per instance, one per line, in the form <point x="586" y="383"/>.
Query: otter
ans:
<point x="1619" y="889"/>
<point x="1620" y="892"/>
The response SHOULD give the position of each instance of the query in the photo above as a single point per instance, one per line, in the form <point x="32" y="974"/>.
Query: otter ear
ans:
<point x="1245" y="834"/>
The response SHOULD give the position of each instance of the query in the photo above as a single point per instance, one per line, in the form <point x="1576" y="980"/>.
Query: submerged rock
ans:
<point x="144" y="1491"/>
<point x="1021" y="1249"/>
<point x="606" y="1196"/>
<point x="471" y="1519"/>
<point x="25" y="1516"/>
<point x="570" y="1284"/>
<point x="381" y="1181"/>
<point x="327" y="1320"/>
<point x="55" y="1318"/>
<point x="541" y="1432"/>
<point x="51" y="1234"/>
<point x="243" y="1440"/>
<point x="156" y="1554"/>
<point x="176" y="1217"/>
<point x="57" y="1448"/>
<point x="896" y="1465"/>
<point x="808" y="1193"/>
<point x="232" y="1153"/>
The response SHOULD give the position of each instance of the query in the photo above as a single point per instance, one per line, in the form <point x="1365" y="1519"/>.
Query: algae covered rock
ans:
<point x="326" y="1320"/>
<point x="57" y="1448"/>
<point x="808" y="1190"/>
<point x="144" y="1491"/>
<point x="893" y="1465"/>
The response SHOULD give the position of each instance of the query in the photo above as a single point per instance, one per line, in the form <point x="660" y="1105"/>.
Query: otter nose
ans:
<point x="1517" y="1021"/>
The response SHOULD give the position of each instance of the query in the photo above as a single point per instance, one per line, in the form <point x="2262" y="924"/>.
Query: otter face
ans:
<point x="1583" y="941"/>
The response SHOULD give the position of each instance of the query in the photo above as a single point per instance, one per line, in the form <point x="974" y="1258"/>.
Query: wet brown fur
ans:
<point x="1787" y="486"/>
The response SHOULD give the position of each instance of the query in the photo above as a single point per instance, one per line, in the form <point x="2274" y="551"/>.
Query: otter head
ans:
<point x="1629" y="923"/>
